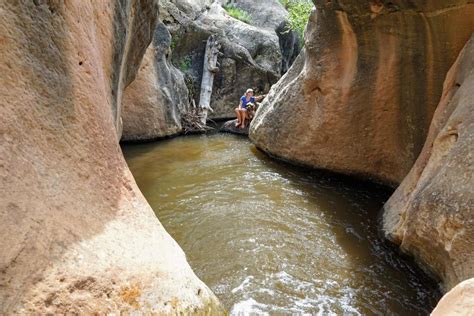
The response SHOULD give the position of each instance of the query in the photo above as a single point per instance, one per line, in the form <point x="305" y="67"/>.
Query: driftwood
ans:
<point x="191" y="123"/>
<point x="208" y="72"/>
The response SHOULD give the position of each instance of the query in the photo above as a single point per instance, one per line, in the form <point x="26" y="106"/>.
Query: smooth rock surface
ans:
<point x="153" y="103"/>
<point x="361" y="98"/>
<point x="76" y="234"/>
<point x="431" y="214"/>
<point x="457" y="302"/>
<point x="229" y="127"/>
<point x="271" y="14"/>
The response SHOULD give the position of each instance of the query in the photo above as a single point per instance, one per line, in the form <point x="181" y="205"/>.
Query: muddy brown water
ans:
<point x="269" y="238"/>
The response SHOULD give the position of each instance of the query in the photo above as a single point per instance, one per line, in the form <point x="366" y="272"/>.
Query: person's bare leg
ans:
<point x="239" y="117"/>
<point x="244" y="117"/>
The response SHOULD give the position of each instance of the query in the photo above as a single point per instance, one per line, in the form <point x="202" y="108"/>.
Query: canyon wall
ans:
<point x="153" y="104"/>
<point x="251" y="54"/>
<point x="361" y="96"/>
<point x="156" y="103"/>
<point x="77" y="236"/>
<point x="431" y="214"/>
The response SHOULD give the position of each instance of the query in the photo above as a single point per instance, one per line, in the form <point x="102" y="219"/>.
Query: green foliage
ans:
<point x="238" y="13"/>
<point x="185" y="64"/>
<point x="299" y="12"/>
<point x="173" y="43"/>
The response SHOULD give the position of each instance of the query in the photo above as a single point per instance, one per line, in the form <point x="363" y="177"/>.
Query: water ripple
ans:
<point x="269" y="238"/>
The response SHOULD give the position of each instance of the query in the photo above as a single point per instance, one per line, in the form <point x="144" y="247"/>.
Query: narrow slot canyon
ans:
<point x="237" y="157"/>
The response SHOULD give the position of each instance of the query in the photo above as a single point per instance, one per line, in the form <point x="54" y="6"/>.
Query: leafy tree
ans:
<point x="299" y="12"/>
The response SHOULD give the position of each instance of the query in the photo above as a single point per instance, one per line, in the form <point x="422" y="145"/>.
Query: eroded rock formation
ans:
<point x="361" y="98"/>
<point x="154" y="102"/>
<point x="270" y="14"/>
<point x="251" y="54"/>
<point x="76" y="234"/>
<point x="431" y="214"/>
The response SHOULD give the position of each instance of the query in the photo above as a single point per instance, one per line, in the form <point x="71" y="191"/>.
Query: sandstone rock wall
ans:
<point x="431" y="214"/>
<point x="154" y="102"/>
<point x="457" y="302"/>
<point x="361" y="98"/>
<point x="77" y="236"/>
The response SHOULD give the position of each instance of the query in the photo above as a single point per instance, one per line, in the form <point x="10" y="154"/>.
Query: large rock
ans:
<point x="457" y="302"/>
<point x="77" y="236"/>
<point x="251" y="55"/>
<point x="154" y="102"/>
<point x="361" y="98"/>
<point x="431" y="214"/>
<point x="272" y="15"/>
<point x="267" y="14"/>
<point x="229" y="127"/>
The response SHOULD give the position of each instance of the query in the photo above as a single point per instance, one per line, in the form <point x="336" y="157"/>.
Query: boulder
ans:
<point x="272" y="15"/>
<point x="153" y="103"/>
<point x="251" y="55"/>
<point x="361" y="98"/>
<point x="268" y="14"/>
<point x="457" y="302"/>
<point x="431" y="214"/>
<point x="229" y="127"/>
<point x="77" y="236"/>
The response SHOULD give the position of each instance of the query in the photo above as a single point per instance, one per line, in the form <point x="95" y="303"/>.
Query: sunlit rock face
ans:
<point x="361" y="96"/>
<point x="76" y="234"/>
<point x="457" y="302"/>
<point x="154" y="103"/>
<point x="431" y="214"/>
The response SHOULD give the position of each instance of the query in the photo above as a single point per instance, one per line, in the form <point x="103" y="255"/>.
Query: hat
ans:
<point x="249" y="90"/>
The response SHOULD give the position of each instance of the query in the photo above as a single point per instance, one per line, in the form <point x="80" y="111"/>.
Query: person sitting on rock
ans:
<point x="246" y="101"/>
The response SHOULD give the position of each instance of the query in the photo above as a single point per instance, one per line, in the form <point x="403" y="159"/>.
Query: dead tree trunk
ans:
<point x="208" y="72"/>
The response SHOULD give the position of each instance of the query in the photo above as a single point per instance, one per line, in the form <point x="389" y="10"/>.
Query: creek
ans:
<point x="267" y="237"/>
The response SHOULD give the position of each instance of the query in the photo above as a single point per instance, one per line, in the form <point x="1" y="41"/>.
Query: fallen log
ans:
<point x="209" y="70"/>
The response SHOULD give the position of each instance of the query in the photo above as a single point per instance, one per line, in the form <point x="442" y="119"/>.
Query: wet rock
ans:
<point x="77" y="236"/>
<point x="431" y="214"/>
<point x="153" y="103"/>
<point x="457" y="302"/>
<point x="361" y="98"/>
<point x="229" y="127"/>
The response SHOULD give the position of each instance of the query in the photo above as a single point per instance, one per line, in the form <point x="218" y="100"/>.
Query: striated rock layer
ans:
<point x="431" y="214"/>
<point x="76" y="234"/>
<point x="361" y="97"/>
<point x="154" y="102"/>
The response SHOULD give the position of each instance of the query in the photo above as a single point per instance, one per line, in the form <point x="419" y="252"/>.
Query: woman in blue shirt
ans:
<point x="245" y="101"/>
